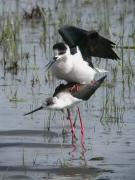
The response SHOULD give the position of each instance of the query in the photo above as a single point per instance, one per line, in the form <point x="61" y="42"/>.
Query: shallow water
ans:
<point x="33" y="147"/>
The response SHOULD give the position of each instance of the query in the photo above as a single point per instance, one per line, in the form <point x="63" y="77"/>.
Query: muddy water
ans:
<point x="33" y="147"/>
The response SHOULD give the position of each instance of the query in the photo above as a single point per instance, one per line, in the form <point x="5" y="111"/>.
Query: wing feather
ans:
<point x="85" y="90"/>
<point x="89" y="42"/>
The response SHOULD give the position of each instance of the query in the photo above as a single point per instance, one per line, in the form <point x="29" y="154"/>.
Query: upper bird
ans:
<point x="72" y="59"/>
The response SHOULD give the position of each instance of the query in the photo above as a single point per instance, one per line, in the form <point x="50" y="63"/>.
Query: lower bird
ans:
<point x="64" y="98"/>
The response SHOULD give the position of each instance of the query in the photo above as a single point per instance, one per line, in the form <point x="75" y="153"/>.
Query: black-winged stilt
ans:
<point x="64" y="98"/>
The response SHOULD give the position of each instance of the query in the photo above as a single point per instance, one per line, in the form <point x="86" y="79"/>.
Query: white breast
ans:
<point x="73" y="69"/>
<point x="64" y="100"/>
<point x="82" y="72"/>
<point x="62" y="68"/>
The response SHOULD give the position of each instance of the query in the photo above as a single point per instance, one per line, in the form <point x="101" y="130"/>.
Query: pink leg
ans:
<point x="82" y="127"/>
<point x="72" y="126"/>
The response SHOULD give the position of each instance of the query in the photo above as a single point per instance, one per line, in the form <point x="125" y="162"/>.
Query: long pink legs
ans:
<point x="72" y="126"/>
<point x="82" y="128"/>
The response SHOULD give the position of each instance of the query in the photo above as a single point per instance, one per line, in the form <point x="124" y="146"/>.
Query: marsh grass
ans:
<point x="10" y="43"/>
<point x="35" y="13"/>
<point x="9" y="38"/>
<point x="112" y="108"/>
<point x="106" y="23"/>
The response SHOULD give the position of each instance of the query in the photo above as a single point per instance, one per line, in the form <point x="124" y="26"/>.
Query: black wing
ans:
<point x="89" y="42"/>
<point x="63" y="87"/>
<point x="87" y="90"/>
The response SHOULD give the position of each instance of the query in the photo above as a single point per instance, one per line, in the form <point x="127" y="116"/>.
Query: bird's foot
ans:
<point x="75" y="88"/>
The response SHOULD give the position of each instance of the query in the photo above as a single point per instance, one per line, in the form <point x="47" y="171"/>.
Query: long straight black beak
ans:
<point x="33" y="111"/>
<point x="101" y="80"/>
<point x="48" y="65"/>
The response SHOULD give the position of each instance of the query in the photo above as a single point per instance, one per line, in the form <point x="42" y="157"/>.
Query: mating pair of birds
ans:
<point x="72" y="62"/>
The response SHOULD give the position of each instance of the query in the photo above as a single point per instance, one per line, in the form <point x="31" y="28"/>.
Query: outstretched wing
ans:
<point x="89" y="42"/>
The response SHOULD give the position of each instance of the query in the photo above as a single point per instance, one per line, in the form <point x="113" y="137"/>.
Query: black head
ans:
<point x="60" y="47"/>
<point x="60" y="51"/>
